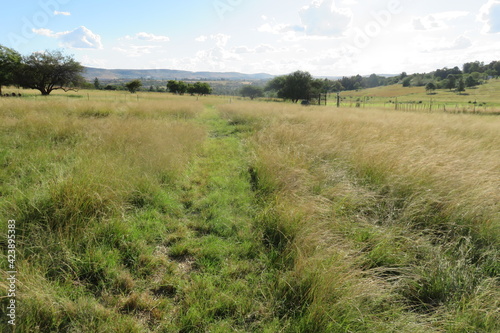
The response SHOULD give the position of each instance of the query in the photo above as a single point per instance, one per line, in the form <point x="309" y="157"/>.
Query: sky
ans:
<point x="324" y="37"/>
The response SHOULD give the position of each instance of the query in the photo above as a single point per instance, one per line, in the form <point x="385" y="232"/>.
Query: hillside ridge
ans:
<point x="91" y="73"/>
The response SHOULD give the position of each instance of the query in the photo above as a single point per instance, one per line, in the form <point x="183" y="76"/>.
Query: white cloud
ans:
<point x="134" y="51"/>
<point x="214" y="59"/>
<point x="242" y="50"/>
<point x="437" y="21"/>
<point x="80" y="38"/>
<point x="148" y="37"/>
<point x="44" y="32"/>
<point x="460" y="43"/>
<point x="221" y="40"/>
<point x="489" y="14"/>
<point x="91" y="61"/>
<point x="278" y="29"/>
<point x="62" y="13"/>
<point x="263" y="48"/>
<point x="324" y="18"/>
<point x="202" y="38"/>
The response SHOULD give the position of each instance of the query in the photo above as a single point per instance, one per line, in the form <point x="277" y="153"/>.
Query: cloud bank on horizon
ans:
<point x="325" y="37"/>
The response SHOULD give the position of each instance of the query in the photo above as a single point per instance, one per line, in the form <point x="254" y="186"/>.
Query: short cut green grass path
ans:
<point x="221" y="264"/>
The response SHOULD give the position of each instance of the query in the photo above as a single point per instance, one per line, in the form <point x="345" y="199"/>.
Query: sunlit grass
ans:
<point x="180" y="213"/>
<point x="364" y="194"/>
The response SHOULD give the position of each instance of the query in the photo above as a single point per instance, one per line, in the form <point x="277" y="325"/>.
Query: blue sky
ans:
<point x="325" y="37"/>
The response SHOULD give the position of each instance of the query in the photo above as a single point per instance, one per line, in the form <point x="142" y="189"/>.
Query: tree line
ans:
<point x="301" y="85"/>
<point x="173" y="86"/>
<point x="180" y="88"/>
<point x="52" y="70"/>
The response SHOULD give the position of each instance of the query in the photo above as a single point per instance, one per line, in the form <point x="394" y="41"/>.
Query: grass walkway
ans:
<point x="221" y="266"/>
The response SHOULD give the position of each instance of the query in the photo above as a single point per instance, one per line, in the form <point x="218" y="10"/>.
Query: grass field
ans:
<point x="160" y="213"/>
<point x="482" y="99"/>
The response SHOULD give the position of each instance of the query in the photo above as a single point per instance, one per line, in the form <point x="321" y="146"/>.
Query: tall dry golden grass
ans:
<point x="81" y="160"/>
<point x="453" y="158"/>
<point x="378" y="207"/>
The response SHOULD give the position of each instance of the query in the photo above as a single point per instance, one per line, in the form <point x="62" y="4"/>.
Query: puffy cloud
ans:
<point x="44" y="32"/>
<point x="148" y="37"/>
<point x="62" y="13"/>
<point x="134" y="51"/>
<point x="427" y="23"/>
<point x="460" y="43"/>
<point x="489" y="14"/>
<point x="280" y="28"/>
<point x="263" y="48"/>
<point x="437" y="21"/>
<point x="80" y="38"/>
<point x="323" y="18"/>
<point x="202" y="38"/>
<point x="216" y="58"/>
<point x="221" y="40"/>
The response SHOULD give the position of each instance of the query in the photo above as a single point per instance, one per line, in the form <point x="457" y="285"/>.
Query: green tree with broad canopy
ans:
<point x="199" y="88"/>
<point x="10" y="61"/>
<point x="251" y="91"/>
<point x="295" y="86"/>
<point x="430" y="87"/>
<point x="133" y="86"/>
<point x="452" y="81"/>
<point x="177" y="87"/>
<point x="48" y="71"/>
<point x="471" y="82"/>
<point x="461" y="85"/>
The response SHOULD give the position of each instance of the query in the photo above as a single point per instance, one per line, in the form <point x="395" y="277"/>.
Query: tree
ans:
<point x="407" y="82"/>
<point x="430" y="87"/>
<point x="372" y="81"/>
<point x="333" y="86"/>
<point x="294" y="86"/>
<point x="452" y="81"/>
<point x="199" y="88"/>
<point x="471" y="67"/>
<point x="202" y="88"/>
<point x="471" y="82"/>
<point x="48" y="71"/>
<point x="133" y="86"/>
<point x="276" y="84"/>
<point x="461" y="86"/>
<point x="97" y="84"/>
<point x="177" y="87"/>
<point x="251" y="91"/>
<point x="10" y="62"/>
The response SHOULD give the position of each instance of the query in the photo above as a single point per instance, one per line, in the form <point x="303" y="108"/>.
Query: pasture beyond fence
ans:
<point x="430" y="105"/>
<point x="402" y="103"/>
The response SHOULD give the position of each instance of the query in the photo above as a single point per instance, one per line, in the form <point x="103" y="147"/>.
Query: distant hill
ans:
<point x="167" y="74"/>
